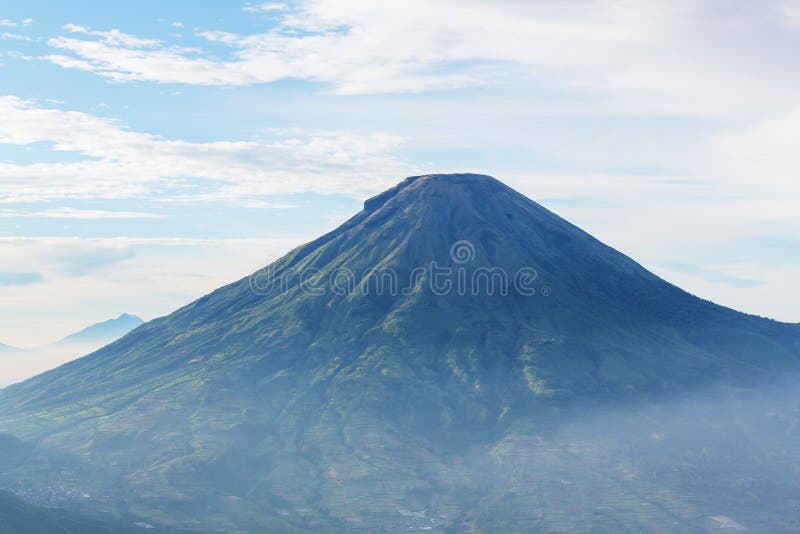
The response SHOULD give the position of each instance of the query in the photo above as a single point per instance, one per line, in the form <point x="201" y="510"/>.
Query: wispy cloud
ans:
<point x="84" y="280"/>
<point x="74" y="213"/>
<point x="14" y="36"/>
<point x="114" y="37"/>
<point x="763" y="156"/>
<point x="788" y="12"/>
<point x="265" y="7"/>
<point x="12" y="23"/>
<point x="669" y="56"/>
<point x="19" y="279"/>
<point x="65" y="257"/>
<point x="120" y="163"/>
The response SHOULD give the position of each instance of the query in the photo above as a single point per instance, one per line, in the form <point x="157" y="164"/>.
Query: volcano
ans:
<point x="385" y="377"/>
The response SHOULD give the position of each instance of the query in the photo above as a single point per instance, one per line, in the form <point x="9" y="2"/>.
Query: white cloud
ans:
<point x="120" y="163"/>
<point x="11" y="24"/>
<point x="764" y="156"/>
<point x="89" y="280"/>
<point x="788" y="12"/>
<point x="14" y="36"/>
<point x="19" y="278"/>
<point x="177" y="24"/>
<point x="73" y="213"/>
<point x="770" y="297"/>
<point x="114" y="37"/>
<point x="679" y="56"/>
<point x="265" y="7"/>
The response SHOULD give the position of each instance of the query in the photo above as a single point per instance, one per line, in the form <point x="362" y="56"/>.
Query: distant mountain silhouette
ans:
<point x="19" y="364"/>
<point x="104" y="332"/>
<point x="346" y="385"/>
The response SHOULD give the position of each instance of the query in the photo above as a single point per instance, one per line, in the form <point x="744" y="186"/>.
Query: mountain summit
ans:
<point x="103" y="332"/>
<point x="450" y="313"/>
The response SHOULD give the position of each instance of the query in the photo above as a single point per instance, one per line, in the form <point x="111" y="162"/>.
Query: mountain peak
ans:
<point x="129" y="317"/>
<point x="417" y="185"/>
<point x="104" y="331"/>
<point x="459" y="178"/>
<point x="453" y="178"/>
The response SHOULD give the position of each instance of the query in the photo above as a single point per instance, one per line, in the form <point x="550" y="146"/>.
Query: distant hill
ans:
<point x="445" y="360"/>
<point x="19" y="364"/>
<point x="102" y="333"/>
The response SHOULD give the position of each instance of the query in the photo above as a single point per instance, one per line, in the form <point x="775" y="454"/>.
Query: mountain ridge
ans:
<point x="121" y="324"/>
<point x="110" y="328"/>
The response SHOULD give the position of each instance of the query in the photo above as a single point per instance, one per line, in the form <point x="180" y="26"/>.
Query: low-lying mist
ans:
<point x="721" y="457"/>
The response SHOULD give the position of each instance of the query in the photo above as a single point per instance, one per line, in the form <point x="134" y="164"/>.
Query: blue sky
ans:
<point x="151" y="151"/>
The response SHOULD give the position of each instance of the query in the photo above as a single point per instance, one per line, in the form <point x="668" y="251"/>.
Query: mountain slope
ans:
<point x="292" y="391"/>
<point x="20" y="517"/>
